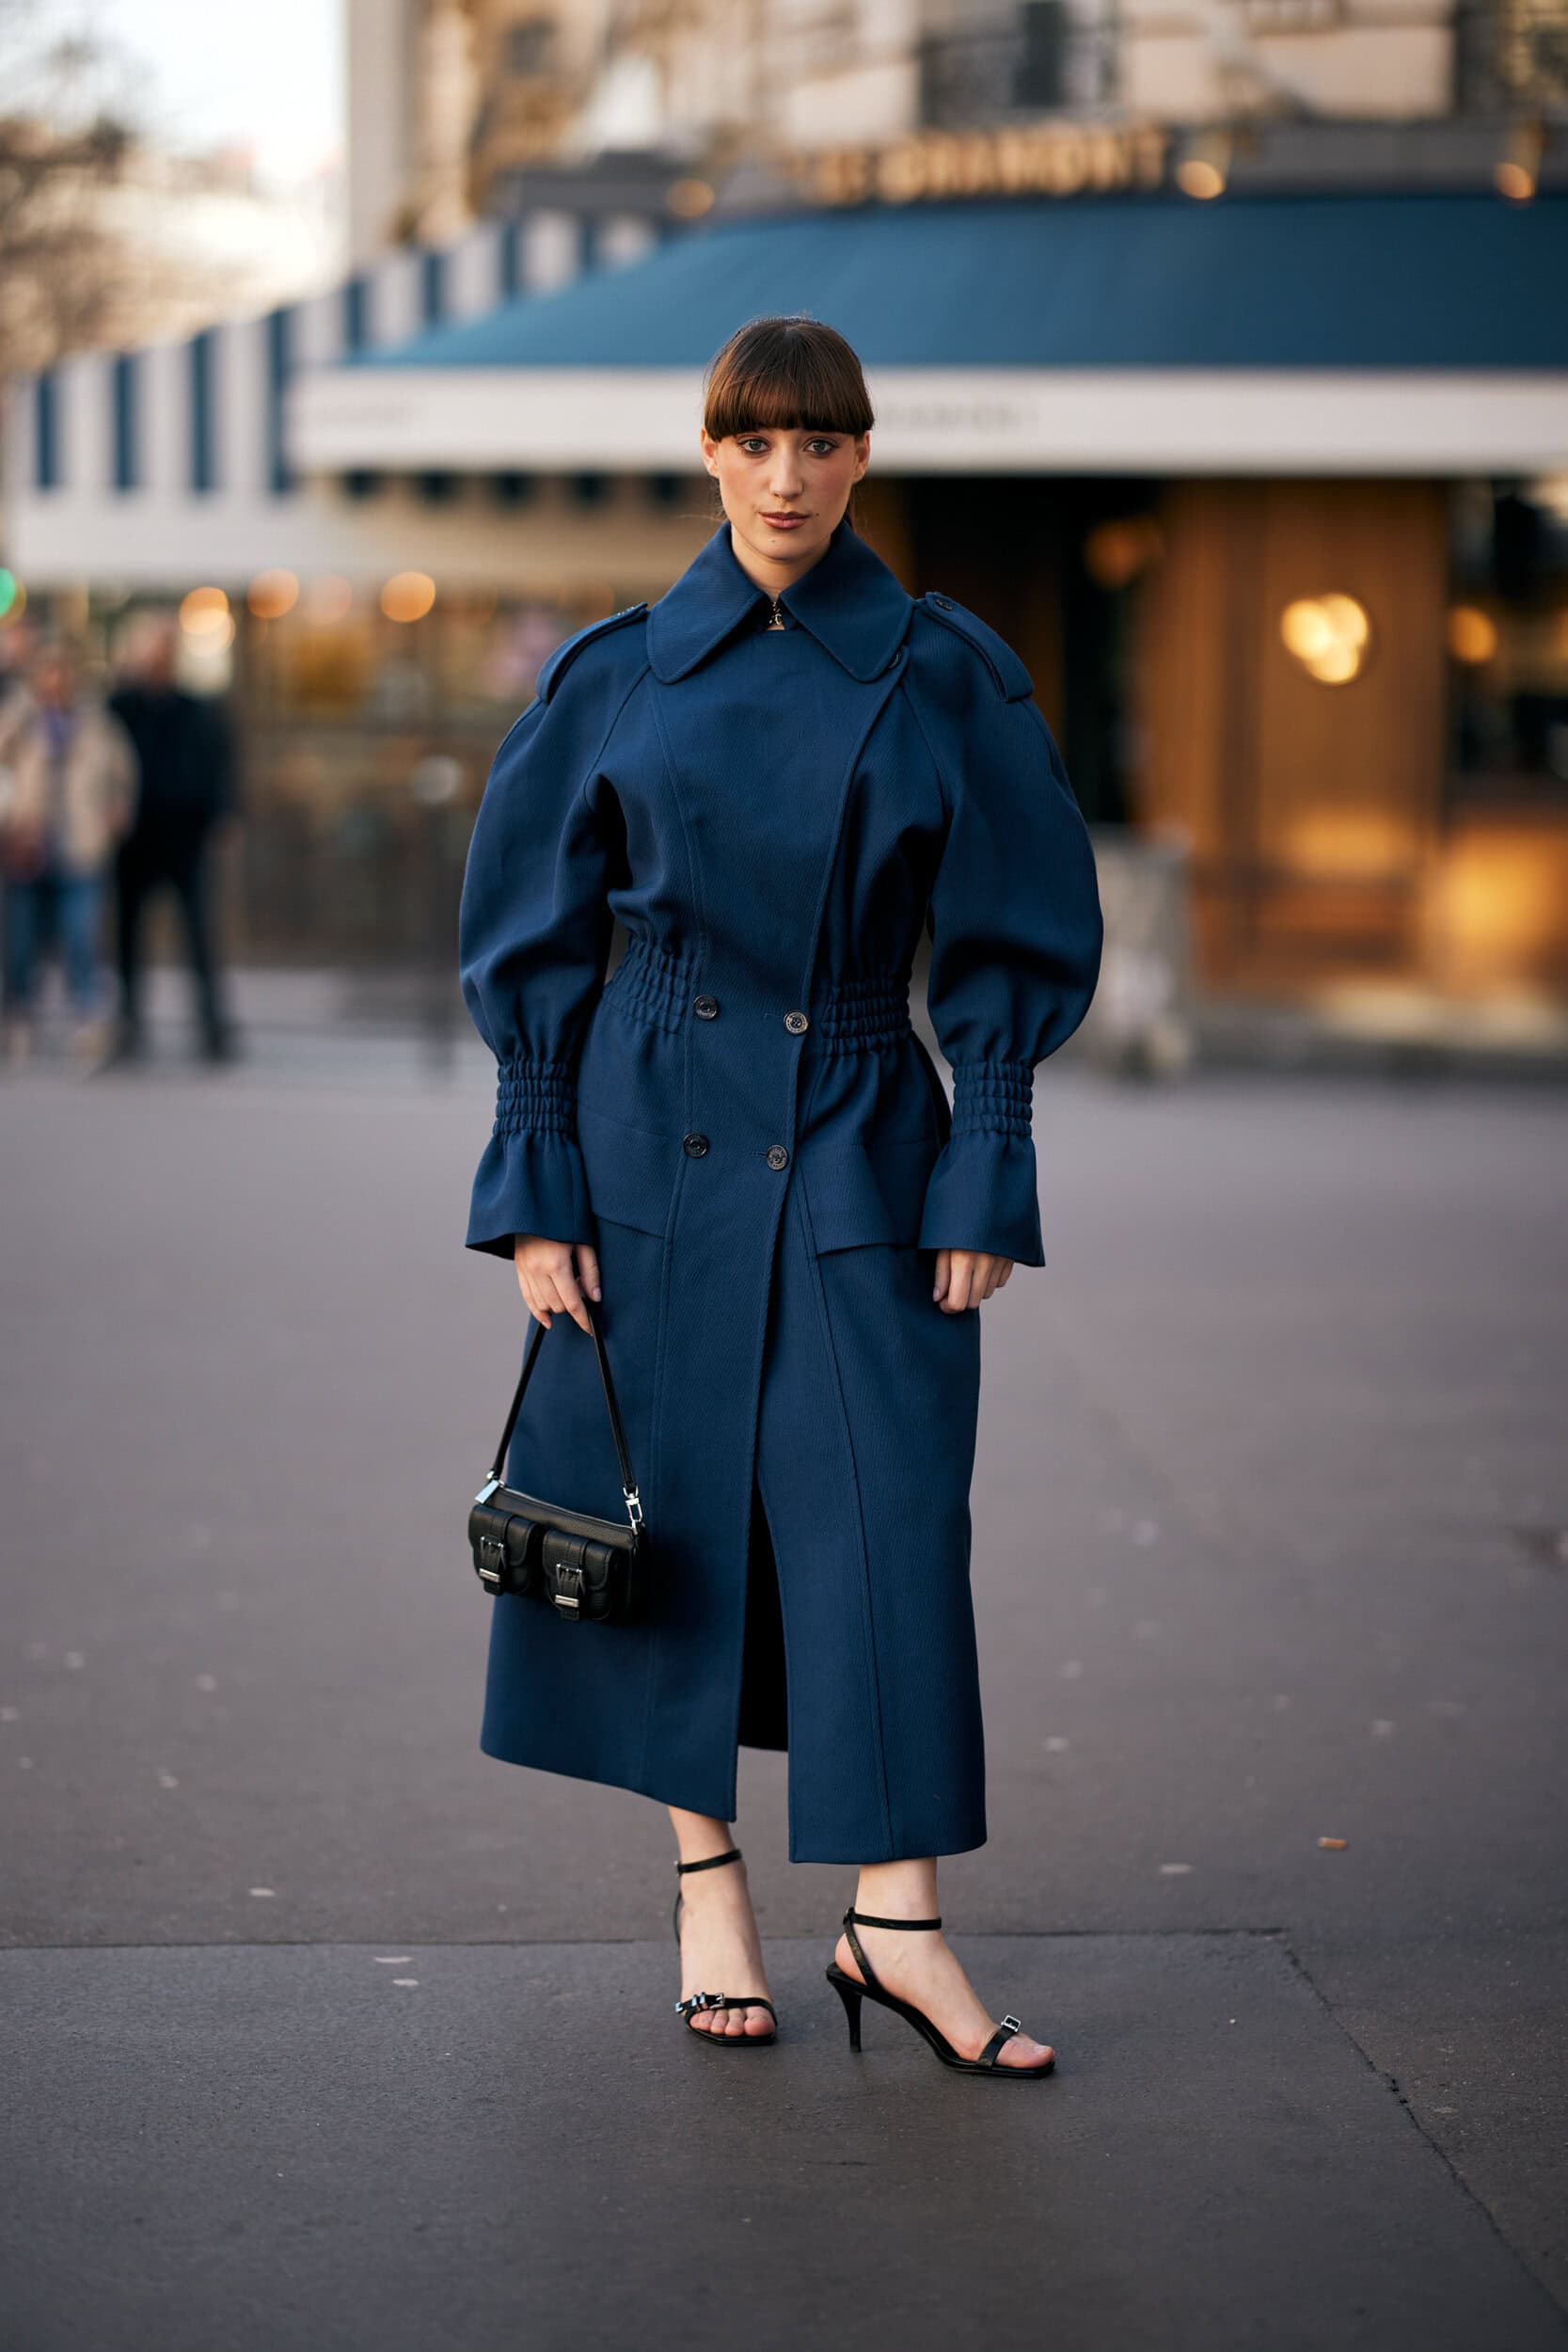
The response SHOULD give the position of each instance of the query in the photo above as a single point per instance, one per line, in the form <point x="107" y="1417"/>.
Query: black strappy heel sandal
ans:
<point x="721" y="2000"/>
<point x="852" y="1995"/>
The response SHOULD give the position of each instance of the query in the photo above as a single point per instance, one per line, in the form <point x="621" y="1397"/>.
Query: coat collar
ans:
<point x="850" y="602"/>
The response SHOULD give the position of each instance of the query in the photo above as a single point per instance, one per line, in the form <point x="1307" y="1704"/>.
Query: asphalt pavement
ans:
<point x="322" y="2027"/>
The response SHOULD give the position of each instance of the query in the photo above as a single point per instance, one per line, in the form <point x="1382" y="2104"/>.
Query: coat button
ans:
<point x="795" y="1022"/>
<point x="945" y="602"/>
<point x="706" y="1007"/>
<point x="693" y="1146"/>
<point x="776" y="1156"/>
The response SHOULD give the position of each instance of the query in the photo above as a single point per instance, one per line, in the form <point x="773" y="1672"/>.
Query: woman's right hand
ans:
<point x="546" y="1277"/>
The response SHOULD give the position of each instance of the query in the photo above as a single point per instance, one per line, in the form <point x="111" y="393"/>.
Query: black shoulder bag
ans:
<point x="583" y="1567"/>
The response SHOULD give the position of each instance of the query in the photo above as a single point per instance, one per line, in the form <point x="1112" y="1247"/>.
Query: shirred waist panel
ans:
<point x="660" y="991"/>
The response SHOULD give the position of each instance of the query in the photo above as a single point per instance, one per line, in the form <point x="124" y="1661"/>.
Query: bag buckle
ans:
<point x="568" y="1591"/>
<point x="490" y="1559"/>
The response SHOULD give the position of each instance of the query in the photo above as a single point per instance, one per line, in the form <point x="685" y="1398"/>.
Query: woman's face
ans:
<point x="777" y="472"/>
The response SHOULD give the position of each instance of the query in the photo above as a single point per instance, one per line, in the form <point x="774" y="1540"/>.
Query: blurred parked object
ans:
<point x="435" y="784"/>
<point x="1140" y="1021"/>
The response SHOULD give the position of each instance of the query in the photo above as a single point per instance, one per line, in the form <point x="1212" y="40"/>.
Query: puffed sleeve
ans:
<point x="534" y="930"/>
<point x="1015" y="934"/>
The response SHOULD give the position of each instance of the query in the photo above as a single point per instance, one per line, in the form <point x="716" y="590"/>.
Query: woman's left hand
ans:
<point x="965" y="1277"/>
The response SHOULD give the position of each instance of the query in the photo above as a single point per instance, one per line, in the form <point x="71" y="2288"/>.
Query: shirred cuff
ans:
<point x="535" y="1097"/>
<point x="983" y="1191"/>
<point x="531" y="1179"/>
<point x="992" y="1098"/>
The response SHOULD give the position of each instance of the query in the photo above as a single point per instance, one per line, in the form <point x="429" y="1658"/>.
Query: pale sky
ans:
<point x="217" y="75"/>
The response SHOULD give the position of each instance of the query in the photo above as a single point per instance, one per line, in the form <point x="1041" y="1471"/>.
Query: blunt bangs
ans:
<point x="786" y="374"/>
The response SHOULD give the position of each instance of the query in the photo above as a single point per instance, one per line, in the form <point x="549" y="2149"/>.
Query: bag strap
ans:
<point x="622" y="1456"/>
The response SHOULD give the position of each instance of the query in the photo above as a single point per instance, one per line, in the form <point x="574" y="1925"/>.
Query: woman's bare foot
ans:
<point x="720" y="1950"/>
<point x="922" y="1968"/>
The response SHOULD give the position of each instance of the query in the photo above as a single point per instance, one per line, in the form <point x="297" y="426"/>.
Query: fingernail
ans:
<point x="596" y="1292"/>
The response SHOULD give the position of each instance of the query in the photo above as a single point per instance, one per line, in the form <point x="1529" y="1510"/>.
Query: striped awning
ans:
<point x="1376" y="333"/>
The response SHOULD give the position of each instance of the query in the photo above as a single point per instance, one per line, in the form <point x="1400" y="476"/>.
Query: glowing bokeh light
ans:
<point x="273" y="593"/>
<point x="205" y="613"/>
<point x="1472" y="634"/>
<point x="1328" y="635"/>
<point x="1195" y="176"/>
<point x="409" y="596"/>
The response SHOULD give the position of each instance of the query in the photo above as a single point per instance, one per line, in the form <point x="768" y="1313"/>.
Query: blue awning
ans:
<point x="1376" y="281"/>
<point x="1372" y="334"/>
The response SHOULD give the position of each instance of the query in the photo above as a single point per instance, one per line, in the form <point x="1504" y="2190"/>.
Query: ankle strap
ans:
<point x="865" y="1919"/>
<point x="711" y="1863"/>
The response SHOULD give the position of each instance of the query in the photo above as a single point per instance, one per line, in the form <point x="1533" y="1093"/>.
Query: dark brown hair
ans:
<point x="786" y="373"/>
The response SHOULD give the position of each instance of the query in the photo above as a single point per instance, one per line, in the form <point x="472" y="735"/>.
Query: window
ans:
<point x="530" y="46"/>
<point x="1508" y="643"/>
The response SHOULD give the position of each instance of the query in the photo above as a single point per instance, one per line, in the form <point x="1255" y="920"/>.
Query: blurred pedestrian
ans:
<point x="186" y="797"/>
<point x="17" y="650"/>
<point x="68" y="787"/>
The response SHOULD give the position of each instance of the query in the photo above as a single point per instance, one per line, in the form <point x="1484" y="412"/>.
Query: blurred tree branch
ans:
<point x="65" y="135"/>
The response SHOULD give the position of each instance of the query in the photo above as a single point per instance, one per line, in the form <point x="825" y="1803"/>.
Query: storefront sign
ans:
<point x="1043" y="159"/>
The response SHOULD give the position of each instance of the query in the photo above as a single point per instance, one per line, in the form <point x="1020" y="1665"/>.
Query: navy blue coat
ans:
<point x="743" y="1122"/>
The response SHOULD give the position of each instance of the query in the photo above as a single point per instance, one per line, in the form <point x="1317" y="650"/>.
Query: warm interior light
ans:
<point x="1551" y="491"/>
<point x="1518" y="174"/>
<point x="1514" y="181"/>
<point x="273" y="593"/>
<point x="329" y="598"/>
<point x="205" y="613"/>
<point x="1197" y="176"/>
<point x="1328" y="635"/>
<point x="1472" y="634"/>
<point x="1116" y="551"/>
<point x="1344" y="843"/>
<point x="689" y="199"/>
<point x="409" y="596"/>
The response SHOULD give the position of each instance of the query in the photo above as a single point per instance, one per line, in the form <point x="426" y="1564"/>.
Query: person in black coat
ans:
<point x="186" y="792"/>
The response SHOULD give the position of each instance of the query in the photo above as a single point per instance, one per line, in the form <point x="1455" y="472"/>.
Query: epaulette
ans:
<point x="557" y="662"/>
<point x="1012" y="680"/>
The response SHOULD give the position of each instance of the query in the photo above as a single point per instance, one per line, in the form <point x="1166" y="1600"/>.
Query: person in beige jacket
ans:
<point x="67" y="795"/>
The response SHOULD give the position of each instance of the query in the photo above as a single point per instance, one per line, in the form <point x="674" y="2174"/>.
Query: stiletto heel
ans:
<point x="849" y="1994"/>
<point x="853" y="1993"/>
<point x="721" y="2000"/>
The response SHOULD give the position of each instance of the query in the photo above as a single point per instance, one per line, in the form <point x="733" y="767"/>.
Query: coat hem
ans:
<point x="686" y="1801"/>
<point x="636" y="1784"/>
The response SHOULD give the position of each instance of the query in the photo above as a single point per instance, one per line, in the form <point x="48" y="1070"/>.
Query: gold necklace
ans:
<point x="775" y="619"/>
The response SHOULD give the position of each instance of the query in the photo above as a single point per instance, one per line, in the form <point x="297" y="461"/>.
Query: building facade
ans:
<point x="1221" y="374"/>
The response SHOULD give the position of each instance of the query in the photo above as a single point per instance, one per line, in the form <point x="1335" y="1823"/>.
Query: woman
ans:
<point x="773" y="775"/>
<point x="70" y="785"/>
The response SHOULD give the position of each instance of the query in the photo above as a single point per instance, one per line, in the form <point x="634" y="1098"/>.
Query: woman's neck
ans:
<point x="772" y="574"/>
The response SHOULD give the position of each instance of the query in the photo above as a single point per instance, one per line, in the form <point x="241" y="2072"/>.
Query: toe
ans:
<point x="758" y="2021"/>
<point x="1022" y="2050"/>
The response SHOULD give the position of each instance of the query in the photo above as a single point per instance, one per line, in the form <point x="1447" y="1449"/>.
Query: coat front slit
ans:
<point x="743" y="1122"/>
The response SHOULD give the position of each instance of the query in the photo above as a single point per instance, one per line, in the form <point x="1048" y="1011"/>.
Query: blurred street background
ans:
<point x="352" y="357"/>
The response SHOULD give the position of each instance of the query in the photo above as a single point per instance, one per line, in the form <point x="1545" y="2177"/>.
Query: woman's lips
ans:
<point x="784" y="522"/>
